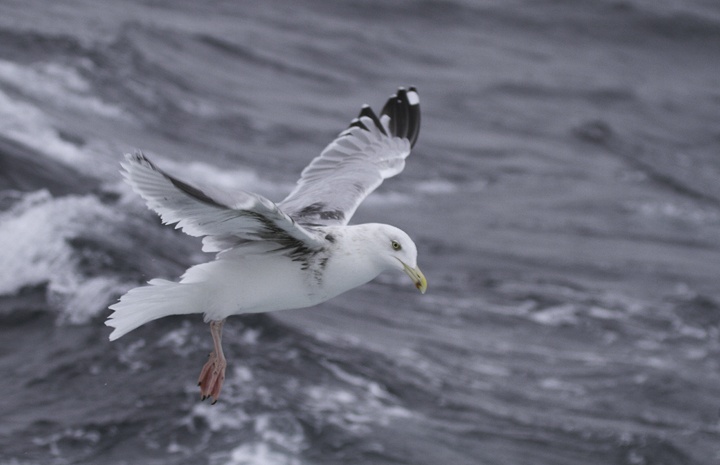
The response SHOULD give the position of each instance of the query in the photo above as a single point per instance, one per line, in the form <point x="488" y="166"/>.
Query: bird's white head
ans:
<point x="394" y="249"/>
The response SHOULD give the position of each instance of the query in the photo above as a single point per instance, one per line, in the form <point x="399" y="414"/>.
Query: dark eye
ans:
<point x="396" y="245"/>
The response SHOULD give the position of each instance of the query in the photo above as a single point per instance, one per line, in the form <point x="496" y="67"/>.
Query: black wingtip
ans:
<point x="413" y="89"/>
<point x="403" y="109"/>
<point x="367" y="112"/>
<point x="356" y="123"/>
<point x="413" y="115"/>
<point x="139" y="157"/>
<point x="402" y="113"/>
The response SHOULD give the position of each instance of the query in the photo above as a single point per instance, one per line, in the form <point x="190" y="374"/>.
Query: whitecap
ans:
<point x="555" y="316"/>
<point x="554" y="384"/>
<point x="353" y="410"/>
<point x="279" y="437"/>
<point x="36" y="232"/>
<point x="219" y="417"/>
<point x="26" y="124"/>
<point x="436" y="186"/>
<point x="605" y="314"/>
<point x="258" y="453"/>
<point x="57" y="84"/>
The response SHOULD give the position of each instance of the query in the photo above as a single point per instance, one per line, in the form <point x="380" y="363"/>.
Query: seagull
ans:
<point x="293" y="254"/>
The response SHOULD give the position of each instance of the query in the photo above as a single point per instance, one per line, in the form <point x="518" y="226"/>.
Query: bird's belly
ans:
<point x="253" y="285"/>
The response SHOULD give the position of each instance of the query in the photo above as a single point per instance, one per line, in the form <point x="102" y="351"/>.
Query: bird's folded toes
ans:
<point x="211" y="378"/>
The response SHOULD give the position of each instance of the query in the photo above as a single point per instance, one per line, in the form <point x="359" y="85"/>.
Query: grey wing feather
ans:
<point x="225" y="219"/>
<point x="372" y="149"/>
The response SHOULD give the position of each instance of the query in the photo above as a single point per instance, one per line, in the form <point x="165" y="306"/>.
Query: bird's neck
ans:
<point x="352" y="260"/>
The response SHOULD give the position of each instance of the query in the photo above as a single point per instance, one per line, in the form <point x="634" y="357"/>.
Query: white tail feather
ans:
<point x="143" y="304"/>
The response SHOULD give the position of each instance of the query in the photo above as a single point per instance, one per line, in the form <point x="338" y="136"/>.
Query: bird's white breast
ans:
<point x="240" y="282"/>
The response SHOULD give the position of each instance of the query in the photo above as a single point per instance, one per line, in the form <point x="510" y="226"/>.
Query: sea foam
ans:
<point x="37" y="231"/>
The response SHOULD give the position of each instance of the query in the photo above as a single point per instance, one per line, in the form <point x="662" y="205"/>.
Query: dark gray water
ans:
<point x="564" y="196"/>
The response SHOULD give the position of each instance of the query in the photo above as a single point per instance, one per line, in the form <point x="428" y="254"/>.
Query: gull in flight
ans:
<point x="293" y="254"/>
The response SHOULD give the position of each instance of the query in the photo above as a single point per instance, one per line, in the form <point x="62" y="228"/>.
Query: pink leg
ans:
<point x="213" y="373"/>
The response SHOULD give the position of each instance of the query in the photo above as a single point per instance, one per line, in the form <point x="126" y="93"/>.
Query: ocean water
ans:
<point x="564" y="195"/>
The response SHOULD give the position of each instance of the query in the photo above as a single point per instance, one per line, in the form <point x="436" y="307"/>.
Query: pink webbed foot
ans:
<point x="213" y="373"/>
<point x="212" y="377"/>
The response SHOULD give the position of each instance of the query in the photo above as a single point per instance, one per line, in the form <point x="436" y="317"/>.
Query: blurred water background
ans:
<point x="564" y="196"/>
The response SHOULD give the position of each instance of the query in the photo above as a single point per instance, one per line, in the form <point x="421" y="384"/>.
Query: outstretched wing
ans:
<point x="372" y="149"/>
<point x="226" y="219"/>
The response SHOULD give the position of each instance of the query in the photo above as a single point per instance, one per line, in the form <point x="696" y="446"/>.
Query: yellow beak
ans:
<point x="417" y="277"/>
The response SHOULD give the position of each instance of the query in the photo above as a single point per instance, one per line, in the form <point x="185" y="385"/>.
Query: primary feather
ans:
<point x="372" y="149"/>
